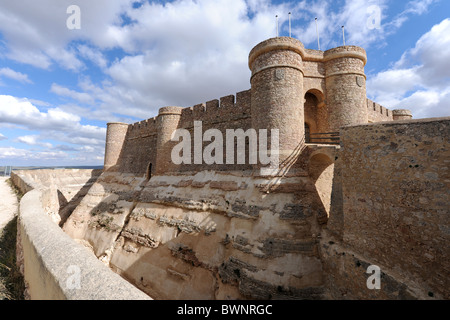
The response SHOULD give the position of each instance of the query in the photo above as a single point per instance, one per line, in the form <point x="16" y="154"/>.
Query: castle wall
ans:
<point x="50" y="261"/>
<point x="395" y="182"/>
<point x="229" y="112"/>
<point x="139" y="149"/>
<point x="144" y="140"/>
<point x="115" y="138"/>
<point x="378" y="113"/>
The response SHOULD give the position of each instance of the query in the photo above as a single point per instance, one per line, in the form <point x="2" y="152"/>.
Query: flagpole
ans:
<point x="318" y="39"/>
<point x="343" y="34"/>
<point x="277" y="24"/>
<point x="290" y="24"/>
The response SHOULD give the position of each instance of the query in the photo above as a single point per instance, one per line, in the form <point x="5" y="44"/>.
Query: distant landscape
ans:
<point x="6" y="169"/>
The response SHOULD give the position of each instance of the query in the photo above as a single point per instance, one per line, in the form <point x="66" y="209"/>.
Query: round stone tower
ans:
<point x="345" y="83"/>
<point x="167" y="122"/>
<point x="277" y="92"/>
<point x="401" y="114"/>
<point x="116" y="133"/>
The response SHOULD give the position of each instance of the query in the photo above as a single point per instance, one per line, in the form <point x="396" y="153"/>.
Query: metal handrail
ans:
<point x="325" y="138"/>
<point x="7" y="171"/>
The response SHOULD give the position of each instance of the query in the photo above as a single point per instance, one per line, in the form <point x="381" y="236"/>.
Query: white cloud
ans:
<point x="395" y="82"/>
<point x="420" y="80"/>
<point x="186" y="53"/>
<point x="25" y="157"/>
<point x="2" y="137"/>
<point x="414" y="7"/>
<point x="93" y="55"/>
<point x="356" y="16"/>
<point x="419" y="6"/>
<point x="54" y="124"/>
<point x="39" y="103"/>
<point x="10" y="152"/>
<point x="79" y="96"/>
<point x="78" y="143"/>
<point x="36" y="31"/>
<point x="18" y="76"/>
<point x="32" y="140"/>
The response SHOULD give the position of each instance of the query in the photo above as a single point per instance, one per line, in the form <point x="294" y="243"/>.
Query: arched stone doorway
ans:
<point x="316" y="117"/>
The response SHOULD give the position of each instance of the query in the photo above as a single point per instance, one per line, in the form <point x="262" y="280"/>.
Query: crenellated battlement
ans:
<point x="236" y="102"/>
<point x="143" y="124"/>
<point x="227" y="108"/>
<point x="377" y="112"/>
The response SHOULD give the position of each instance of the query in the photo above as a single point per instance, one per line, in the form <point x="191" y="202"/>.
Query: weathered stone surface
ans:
<point x="277" y="247"/>
<point x="138" y="236"/>
<point x="395" y="179"/>
<point x="231" y="270"/>
<point x="257" y="289"/>
<point x="224" y="185"/>
<point x="241" y="209"/>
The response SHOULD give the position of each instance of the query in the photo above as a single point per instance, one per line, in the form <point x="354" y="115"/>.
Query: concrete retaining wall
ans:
<point x="56" y="267"/>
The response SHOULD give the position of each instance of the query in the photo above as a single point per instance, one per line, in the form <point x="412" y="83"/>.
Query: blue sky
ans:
<point x="59" y="86"/>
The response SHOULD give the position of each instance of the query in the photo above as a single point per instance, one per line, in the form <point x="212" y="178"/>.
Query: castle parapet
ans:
<point x="277" y="92"/>
<point x="346" y="86"/>
<point x="167" y="122"/>
<point x="402" y="114"/>
<point x="116" y="133"/>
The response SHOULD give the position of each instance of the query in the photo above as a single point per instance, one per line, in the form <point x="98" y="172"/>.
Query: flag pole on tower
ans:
<point x="289" y="24"/>
<point x="343" y="34"/>
<point x="318" y="39"/>
<point x="277" y="24"/>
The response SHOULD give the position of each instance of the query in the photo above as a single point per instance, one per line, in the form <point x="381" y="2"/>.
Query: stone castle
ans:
<point x="358" y="185"/>
<point x="290" y="86"/>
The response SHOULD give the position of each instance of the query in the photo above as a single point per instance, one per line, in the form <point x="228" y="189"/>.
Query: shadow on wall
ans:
<point x="321" y="172"/>
<point x="184" y="263"/>
<point x="67" y="207"/>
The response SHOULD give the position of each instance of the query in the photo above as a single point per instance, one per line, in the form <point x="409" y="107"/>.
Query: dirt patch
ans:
<point x="11" y="280"/>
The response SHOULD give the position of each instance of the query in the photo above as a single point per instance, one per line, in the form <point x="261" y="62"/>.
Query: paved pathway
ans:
<point x="8" y="203"/>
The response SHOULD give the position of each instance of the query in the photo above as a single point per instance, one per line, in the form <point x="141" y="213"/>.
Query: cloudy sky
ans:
<point x="62" y="78"/>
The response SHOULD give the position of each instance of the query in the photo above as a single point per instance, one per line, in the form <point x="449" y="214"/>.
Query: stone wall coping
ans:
<point x="57" y="252"/>
<point x="292" y="44"/>
<point x="117" y="123"/>
<point x="402" y="112"/>
<point x="170" y="110"/>
<point x="396" y="122"/>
